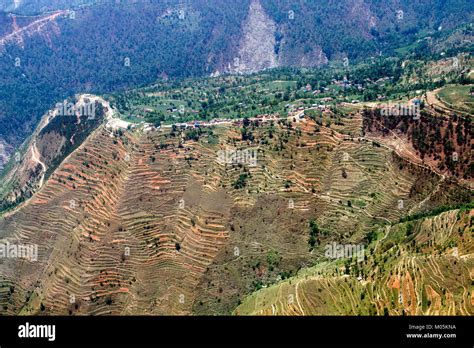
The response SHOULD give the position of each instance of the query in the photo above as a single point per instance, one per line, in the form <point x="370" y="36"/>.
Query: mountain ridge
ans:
<point x="305" y="34"/>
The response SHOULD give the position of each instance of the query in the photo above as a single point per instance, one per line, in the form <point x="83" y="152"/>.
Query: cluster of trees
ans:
<point x="313" y="234"/>
<point x="241" y="182"/>
<point x="445" y="140"/>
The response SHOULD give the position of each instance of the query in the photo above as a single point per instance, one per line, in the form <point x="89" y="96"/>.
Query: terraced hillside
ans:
<point x="137" y="222"/>
<point x="60" y="131"/>
<point x="420" y="267"/>
<point x="441" y="138"/>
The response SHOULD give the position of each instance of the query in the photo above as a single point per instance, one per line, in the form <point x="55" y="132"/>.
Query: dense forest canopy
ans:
<point x="109" y="46"/>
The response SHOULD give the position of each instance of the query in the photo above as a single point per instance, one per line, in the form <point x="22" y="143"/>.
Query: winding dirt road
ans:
<point x="37" y="26"/>
<point x="35" y="157"/>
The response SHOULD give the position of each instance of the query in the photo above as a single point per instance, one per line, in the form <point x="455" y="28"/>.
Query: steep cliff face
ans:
<point x="257" y="46"/>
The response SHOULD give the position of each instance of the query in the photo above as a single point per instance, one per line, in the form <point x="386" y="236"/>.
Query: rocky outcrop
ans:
<point x="257" y="46"/>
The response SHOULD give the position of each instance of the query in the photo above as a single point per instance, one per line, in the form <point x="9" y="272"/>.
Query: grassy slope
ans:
<point x="458" y="97"/>
<point x="412" y="268"/>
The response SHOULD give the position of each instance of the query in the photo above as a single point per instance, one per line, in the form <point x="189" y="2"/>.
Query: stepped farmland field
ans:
<point x="154" y="222"/>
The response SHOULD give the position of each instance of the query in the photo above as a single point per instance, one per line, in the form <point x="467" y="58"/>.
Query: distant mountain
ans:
<point x="107" y="46"/>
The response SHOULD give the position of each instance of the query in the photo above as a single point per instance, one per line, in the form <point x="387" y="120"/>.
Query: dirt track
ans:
<point x="34" y="27"/>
